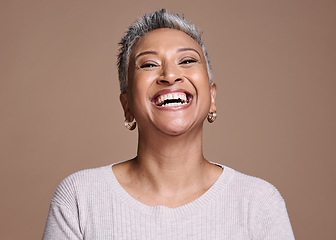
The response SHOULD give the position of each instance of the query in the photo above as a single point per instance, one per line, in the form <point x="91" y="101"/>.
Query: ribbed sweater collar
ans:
<point x="188" y="209"/>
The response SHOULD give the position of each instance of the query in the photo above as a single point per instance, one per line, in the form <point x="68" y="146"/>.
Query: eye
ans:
<point x="148" y="65"/>
<point x="188" y="61"/>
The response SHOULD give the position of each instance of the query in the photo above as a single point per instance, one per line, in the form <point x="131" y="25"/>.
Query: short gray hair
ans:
<point x="150" y="22"/>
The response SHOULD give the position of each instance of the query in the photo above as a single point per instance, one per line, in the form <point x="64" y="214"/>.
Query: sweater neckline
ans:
<point x="188" y="208"/>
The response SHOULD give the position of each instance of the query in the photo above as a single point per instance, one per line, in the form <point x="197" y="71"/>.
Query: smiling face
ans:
<point x="168" y="83"/>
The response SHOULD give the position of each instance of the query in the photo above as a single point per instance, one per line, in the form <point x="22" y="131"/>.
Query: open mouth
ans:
<point x="172" y="99"/>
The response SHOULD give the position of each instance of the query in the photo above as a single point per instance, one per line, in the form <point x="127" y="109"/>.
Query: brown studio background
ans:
<point x="274" y="65"/>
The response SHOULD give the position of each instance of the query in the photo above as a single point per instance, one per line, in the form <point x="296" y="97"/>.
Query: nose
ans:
<point x="170" y="75"/>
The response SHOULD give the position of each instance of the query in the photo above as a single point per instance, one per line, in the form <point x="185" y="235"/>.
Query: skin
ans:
<point x="170" y="169"/>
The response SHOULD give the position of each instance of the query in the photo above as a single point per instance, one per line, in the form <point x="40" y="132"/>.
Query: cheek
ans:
<point x="139" y="86"/>
<point x="142" y="83"/>
<point x="201" y="83"/>
<point x="199" y="78"/>
<point x="198" y="71"/>
<point x="145" y="77"/>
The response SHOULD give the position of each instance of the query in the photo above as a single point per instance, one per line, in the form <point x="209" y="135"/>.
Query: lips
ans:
<point x="170" y="99"/>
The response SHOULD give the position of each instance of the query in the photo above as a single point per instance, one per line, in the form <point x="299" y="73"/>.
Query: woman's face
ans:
<point x="168" y="83"/>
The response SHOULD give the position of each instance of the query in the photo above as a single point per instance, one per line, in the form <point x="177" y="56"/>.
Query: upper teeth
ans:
<point x="171" y="96"/>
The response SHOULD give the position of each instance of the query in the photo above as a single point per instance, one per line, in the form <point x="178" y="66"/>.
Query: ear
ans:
<point x="125" y="103"/>
<point x="213" y="89"/>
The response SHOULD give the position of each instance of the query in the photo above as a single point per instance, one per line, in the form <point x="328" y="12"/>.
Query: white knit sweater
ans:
<point x="91" y="204"/>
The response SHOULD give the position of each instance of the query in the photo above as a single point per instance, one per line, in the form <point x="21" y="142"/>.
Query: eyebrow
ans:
<point x="189" y="49"/>
<point x="156" y="53"/>
<point x="145" y="53"/>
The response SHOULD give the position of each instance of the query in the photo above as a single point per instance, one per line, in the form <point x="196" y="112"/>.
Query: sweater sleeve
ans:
<point x="269" y="217"/>
<point x="63" y="220"/>
<point x="61" y="224"/>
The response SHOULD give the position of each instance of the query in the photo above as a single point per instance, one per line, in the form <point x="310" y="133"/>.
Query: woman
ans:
<point x="169" y="190"/>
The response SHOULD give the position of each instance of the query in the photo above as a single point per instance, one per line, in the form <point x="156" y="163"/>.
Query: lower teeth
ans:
<point x="173" y="104"/>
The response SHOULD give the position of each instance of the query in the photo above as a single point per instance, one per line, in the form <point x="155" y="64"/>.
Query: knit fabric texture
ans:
<point x="91" y="204"/>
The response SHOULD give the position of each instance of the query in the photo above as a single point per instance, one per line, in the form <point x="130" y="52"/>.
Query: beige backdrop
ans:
<point x="274" y="65"/>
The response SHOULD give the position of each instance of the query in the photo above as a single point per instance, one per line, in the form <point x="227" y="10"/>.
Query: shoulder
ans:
<point x="257" y="185"/>
<point x="268" y="217"/>
<point x="253" y="189"/>
<point x="81" y="183"/>
<point x="87" y="175"/>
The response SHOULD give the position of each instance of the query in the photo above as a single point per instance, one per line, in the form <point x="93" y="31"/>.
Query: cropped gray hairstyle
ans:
<point x="150" y="22"/>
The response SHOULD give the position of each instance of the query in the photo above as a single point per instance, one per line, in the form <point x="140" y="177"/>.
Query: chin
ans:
<point x="175" y="129"/>
<point x="174" y="132"/>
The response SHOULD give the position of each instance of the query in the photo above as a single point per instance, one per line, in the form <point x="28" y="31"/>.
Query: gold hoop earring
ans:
<point x="212" y="117"/>
<point x="130" y="125"/>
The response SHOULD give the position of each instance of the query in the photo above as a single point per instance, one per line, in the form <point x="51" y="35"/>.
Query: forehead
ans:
<point x="164" y="38"/>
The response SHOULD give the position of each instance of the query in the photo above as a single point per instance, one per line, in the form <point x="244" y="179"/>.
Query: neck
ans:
<point x="170" y="162"/>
